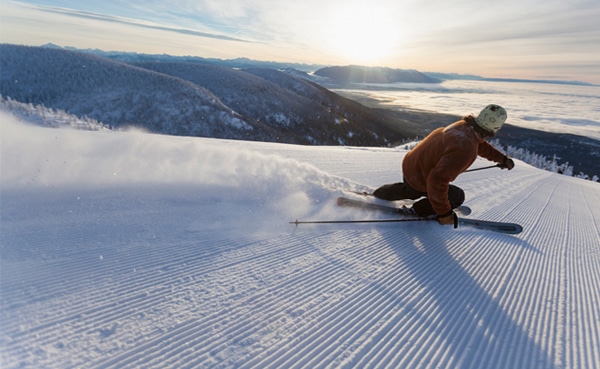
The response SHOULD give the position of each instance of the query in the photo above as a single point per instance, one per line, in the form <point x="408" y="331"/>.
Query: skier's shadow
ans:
<point x="457" y="313"/>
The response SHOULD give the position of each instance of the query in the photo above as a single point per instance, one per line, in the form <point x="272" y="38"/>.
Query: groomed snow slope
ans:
<point x="123" y="250"/>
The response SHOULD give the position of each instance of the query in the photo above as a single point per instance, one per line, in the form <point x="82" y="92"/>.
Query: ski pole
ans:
<point x="482" y="168"/>
<point x="356" y="221"/>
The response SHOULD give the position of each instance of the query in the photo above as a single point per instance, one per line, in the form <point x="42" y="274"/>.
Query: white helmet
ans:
<point x="491" y="118"/>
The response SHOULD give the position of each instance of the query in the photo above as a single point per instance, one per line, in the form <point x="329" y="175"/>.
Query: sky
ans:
<point x="533" y="39"/>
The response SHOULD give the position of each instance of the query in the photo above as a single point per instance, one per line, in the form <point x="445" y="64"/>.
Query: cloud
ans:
<point x="136" y="23"/>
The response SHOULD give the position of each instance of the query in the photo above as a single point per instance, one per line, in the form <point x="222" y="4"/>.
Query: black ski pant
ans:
<point x="403" y="191"/>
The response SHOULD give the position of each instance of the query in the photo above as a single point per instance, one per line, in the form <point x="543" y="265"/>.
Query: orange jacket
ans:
<point x="441" y="157"/>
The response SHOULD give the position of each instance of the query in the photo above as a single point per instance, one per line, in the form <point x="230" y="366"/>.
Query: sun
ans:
<point x="362" y="33"/>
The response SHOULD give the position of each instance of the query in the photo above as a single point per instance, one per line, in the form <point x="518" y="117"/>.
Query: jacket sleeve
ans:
<point x="485" y="150"/>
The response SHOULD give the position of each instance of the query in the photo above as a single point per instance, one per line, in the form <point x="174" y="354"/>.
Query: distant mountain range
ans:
<point x="358" y="74"/>
<point x="132" y="57"/>
<point x="192" y="97"/>
<point x="396" y="75"/>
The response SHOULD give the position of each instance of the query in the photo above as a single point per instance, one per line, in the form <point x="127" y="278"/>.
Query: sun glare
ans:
<point x="362" y="33"/>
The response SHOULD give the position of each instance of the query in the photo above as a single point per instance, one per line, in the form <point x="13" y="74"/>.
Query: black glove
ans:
<point x="507" y="163"/>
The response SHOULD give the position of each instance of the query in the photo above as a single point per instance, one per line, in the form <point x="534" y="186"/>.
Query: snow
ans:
<point x="127" y="249"/>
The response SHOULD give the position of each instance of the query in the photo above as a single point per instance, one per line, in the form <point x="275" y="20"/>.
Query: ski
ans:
<point x="502" y="227"/>
<point x="360" y="193"/>
<point x="344" y="201"/>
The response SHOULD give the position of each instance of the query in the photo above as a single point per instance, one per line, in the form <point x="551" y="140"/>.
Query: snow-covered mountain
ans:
<point x="128" y="249"/>
<point x="114" y="93"/>
<point x="285" y="103"/>
<point x="194" y="99"/>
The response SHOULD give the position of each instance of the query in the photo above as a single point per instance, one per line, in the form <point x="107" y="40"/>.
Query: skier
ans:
<point x="436" y="161"/>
